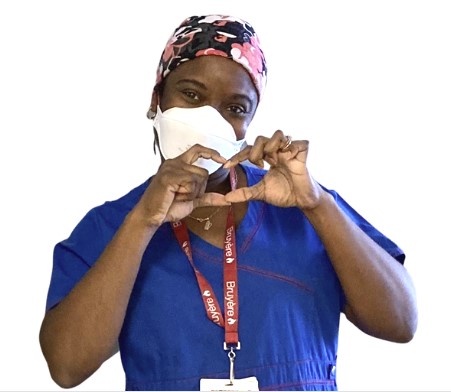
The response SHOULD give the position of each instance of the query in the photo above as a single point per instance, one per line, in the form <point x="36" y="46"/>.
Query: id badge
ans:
<point x="223" y="384"/>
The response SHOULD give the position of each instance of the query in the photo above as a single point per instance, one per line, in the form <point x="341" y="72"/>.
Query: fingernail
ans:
<point x="227" y="165"/>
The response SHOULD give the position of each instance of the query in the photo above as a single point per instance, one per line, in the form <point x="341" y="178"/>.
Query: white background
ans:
<point x="367" y="82"/>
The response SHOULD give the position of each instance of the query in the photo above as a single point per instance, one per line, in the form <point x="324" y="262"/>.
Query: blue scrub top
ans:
<point x="289" y="299"/>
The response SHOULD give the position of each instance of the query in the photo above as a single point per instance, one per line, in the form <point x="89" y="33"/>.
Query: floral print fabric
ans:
<point x="215" y="35"/>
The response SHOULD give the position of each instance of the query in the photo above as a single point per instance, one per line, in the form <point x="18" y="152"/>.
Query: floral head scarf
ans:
<point x="214" y="35"/>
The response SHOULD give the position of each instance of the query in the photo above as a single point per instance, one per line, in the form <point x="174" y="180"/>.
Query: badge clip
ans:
<point x="228" y="346"/>
<point x="232" y="356"/>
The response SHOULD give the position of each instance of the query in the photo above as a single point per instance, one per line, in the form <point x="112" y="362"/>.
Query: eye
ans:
<point x="192" y="95"/>
<point x="237" y="109"/>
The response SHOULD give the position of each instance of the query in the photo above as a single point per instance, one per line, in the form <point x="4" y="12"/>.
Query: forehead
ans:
<point x="216" y="73"/>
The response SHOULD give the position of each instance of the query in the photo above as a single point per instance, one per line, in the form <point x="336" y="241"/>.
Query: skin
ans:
<point x="82" y="331"/>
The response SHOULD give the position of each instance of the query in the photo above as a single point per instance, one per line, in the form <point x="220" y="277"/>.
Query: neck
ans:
<point x="209" y="222"/>
<point x="219" y="181"/>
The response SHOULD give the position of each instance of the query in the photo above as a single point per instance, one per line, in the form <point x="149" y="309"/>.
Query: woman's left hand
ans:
<point x="288" y="182"/>
<point x="380" y="296"/>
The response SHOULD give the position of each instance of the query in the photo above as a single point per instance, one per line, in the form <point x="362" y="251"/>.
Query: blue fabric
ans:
<point x="290" y="299"/>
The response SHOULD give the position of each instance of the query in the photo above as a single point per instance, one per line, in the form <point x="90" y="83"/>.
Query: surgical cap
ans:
<point x="215" y="35"/>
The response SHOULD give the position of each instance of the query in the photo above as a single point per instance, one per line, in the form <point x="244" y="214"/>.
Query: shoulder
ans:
<point x="126" y="202"/>
<point x="105" y="219"/>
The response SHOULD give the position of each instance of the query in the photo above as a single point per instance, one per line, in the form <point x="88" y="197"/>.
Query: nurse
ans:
<point x="214" y="273"/>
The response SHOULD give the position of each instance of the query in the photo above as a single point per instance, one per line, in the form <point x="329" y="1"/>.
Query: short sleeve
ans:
<point x="383" y="241"/>
<point x="256" y="174"/>
<point x="73" y="257"/>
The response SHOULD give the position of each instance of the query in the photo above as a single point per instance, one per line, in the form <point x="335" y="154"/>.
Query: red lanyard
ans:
<point x="230" y="276"/>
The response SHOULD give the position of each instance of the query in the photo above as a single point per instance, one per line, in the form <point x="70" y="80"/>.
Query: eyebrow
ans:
<point x="192" y="81"/>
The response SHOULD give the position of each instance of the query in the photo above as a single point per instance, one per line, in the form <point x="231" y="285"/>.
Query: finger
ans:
<point x="178" y="172"/>
<point x="256" y="154"/>
<point x="190" y="189"/>
<point x="245" y="194"/>
<point x="298" y="149"/>
<point x="239" y="157"/>
<point x="265" y="149"/>
<point x="197" y="151"/>
<point x="211" y="199"/>
<point x="177" y="167"/>
<point x="185" y="181"/>
<point x="277" y="142"/>
<point x="303" y="145"/>
<point x="287" y="143"/>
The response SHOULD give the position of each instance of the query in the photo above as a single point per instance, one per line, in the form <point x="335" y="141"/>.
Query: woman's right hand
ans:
<point x="178" y="187"/>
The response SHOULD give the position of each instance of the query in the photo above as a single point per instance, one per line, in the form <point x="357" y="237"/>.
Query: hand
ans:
<point x="288" y="182"/>
<point x="178" y="187"/>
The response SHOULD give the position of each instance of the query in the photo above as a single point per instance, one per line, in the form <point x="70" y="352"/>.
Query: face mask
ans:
<point x="180" y="128"/>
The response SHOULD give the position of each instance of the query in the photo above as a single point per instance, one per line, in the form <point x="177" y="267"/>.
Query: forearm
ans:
<point x="379" y="292"/>
<point x="81" y="332"/>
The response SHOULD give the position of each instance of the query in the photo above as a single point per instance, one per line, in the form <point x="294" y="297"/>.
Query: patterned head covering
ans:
<point x="214" y="35"/>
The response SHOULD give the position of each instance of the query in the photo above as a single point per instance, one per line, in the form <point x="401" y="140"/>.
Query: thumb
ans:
<point x="211" y="199"/>
<point x="240" y="195"/>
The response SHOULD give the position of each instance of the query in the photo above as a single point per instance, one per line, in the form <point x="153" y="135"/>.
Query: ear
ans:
<point x="153" y="105"/>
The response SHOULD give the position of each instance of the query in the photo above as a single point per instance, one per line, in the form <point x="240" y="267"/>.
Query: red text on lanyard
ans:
<point x="230" y="319"/>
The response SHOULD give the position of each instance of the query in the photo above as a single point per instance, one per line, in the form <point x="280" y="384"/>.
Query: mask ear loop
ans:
<point x="155" y="141"/>
<point x="151" y="116"/>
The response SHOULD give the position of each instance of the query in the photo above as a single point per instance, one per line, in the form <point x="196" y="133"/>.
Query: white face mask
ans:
<point x="180" y="128"/>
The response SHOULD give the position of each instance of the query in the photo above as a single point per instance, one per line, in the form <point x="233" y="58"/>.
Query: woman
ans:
<point x="286" y="254"/>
